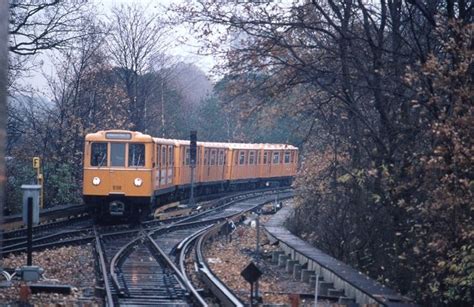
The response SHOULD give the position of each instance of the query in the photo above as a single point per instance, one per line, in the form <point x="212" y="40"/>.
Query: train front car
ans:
<point x="118" y="173"/>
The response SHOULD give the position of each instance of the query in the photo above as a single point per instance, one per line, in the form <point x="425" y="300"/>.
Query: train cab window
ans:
<point x="136" y="154"/>
<point x="117" y="154"/>
<point x="221" y="157"/>
<point x="187" y="158"/>
<point x="287" y="157"/>
<point x="213" y="157"/>
<point x="242" y="157"/>
<point x="276" y="157"/>
<point x="252" y="157"/>
<point x="163" y="155"/>
<point x="265" y="157"/>
<point x="99" y="154"/>
<point x="170" y="155"/>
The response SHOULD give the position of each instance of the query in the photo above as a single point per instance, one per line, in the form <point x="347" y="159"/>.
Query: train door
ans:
<point x="157" y="168"/>
<point x="205" y="167"/>
<point x="170" y="165"/>
<point x="117" y="165"/>
<point x="222" y="156"/>
<point x="266" y="163"/>
<point x="164" y="166"/>
<point x="213" y="164"/>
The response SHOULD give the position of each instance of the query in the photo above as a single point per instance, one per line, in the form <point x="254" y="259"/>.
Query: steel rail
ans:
<point x="220" y="289"/>
<point x="115" y="261"/>
<point x="217" y="287"/>
<point x="182" y="279"/>
<point x="103" y="267"/>
<point x="183" y="247"/>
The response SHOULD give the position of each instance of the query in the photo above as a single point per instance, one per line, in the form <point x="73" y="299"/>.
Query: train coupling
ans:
<point x="117" y="208"/>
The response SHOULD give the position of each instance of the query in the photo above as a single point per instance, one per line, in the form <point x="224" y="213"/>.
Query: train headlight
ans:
<point x="96" y="181"/>
<point x="138" y="182"/>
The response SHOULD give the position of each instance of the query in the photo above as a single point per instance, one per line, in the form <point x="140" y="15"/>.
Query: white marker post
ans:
<point x="316" y="291"/>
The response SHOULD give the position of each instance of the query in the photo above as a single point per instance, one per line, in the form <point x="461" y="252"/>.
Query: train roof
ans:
<point x="140" y="137"/>
<point x="228" y="145"/>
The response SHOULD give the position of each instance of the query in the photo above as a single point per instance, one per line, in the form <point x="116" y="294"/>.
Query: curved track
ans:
<point x="145" y="266"/>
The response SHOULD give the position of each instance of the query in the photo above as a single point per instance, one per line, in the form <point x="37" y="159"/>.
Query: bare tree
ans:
<point x="37" y="26"/>
<point x="136" y="39"/>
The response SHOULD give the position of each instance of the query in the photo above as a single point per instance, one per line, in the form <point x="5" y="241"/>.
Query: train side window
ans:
<point x="186" y="158"/>
<point x="136" y="154"/>
<point x="213" y="157"/>
<point x="221" y="157"/>
<point x="206" y="154"/>
<point x="236" y="158"/>
<point x="163" y="155"/>
<point x="242" y="157"/>
<point x="292" y="156"/>
<point x="251" y="157"/>
<point x="225" y="157"/>
<point x="259" y="158"/>
<point x="287" y="157"/>
<point x="276" y="157"/>
<point x="170" y="155"/>
<point x="265" y="157"/>
<point x="99" y="154"/>
<point x="117" y="154"/>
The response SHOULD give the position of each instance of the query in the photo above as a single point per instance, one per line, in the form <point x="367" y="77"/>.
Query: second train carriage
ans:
<point x="126" y="173"/>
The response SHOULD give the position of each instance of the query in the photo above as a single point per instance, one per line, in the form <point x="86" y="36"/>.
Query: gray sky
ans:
<point x="187" y="52"/>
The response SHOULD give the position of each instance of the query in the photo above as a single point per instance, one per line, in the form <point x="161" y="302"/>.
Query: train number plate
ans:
<point x="117" y="187"/>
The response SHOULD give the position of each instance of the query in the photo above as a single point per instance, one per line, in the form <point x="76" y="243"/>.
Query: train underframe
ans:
<point x="119" y="207"/>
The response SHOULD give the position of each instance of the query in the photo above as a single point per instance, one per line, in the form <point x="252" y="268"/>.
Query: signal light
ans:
<point x="193" y="147"/>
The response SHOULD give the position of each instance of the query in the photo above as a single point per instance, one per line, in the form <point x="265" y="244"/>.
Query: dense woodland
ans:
<point x="378" y="95"/>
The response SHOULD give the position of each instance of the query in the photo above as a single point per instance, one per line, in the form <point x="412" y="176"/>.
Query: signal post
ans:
<point x="39" y="178"/>
<point x="192" y="162"/>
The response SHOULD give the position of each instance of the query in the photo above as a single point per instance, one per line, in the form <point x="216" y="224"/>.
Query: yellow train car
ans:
<point x="118" y="171"/>
<point x="127" y="173"/>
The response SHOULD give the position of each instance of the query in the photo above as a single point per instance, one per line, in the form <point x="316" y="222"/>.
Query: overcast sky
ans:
<point x="185" y="51"/>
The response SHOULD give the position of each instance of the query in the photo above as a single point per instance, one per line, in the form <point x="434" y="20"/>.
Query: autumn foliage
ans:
<point x="382" y="94"/>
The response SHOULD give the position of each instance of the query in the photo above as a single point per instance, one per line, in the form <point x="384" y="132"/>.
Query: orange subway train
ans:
<point x="127" y="173"/>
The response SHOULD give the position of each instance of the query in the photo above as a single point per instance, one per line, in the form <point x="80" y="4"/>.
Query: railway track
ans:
<point x="14" y="222"/>
<point x="146" y="266"/>
<point x="70" y="231"/>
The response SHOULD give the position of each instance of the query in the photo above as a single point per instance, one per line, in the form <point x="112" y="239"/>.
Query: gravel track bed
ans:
<point x="69" y="265"/>
<point x="228" y="259"/>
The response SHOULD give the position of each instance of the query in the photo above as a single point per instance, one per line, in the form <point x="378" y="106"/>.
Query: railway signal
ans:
<point x="251" y="274"/>
<point x="192" y="158"/>
<point x="39" y="177"/>
<point x="193" y="148"/>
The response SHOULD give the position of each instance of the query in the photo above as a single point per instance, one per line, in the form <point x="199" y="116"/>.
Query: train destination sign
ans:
<point x="118" y="135"/>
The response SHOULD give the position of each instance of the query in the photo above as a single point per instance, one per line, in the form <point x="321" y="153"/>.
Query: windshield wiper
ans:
<point x="102" y="161"/>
